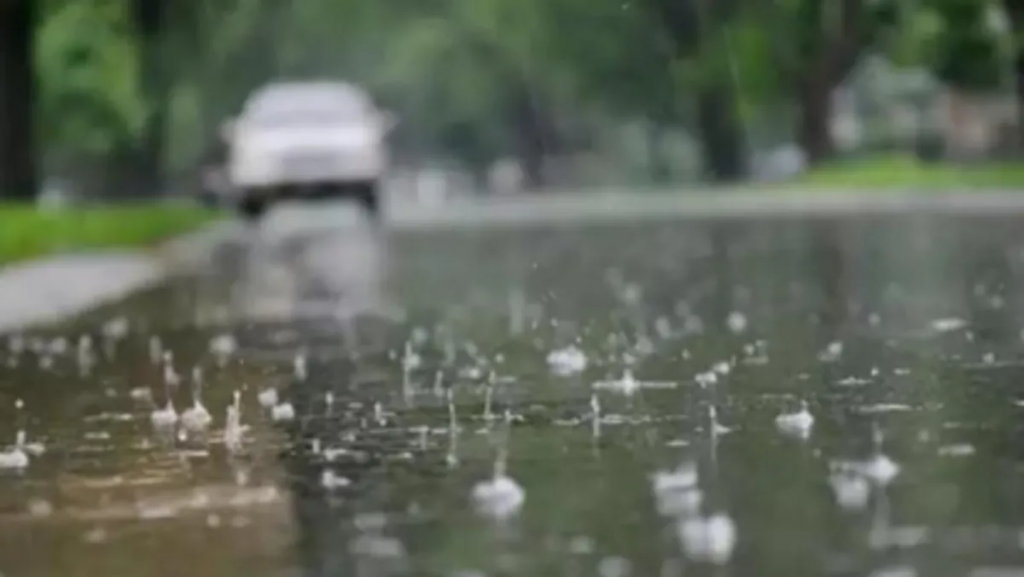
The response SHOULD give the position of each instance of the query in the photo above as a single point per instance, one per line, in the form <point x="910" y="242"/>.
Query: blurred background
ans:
<point x="120" y="99"/>
<point x="649" y="383"/>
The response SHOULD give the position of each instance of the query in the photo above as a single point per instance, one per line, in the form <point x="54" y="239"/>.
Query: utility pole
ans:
<point x="19" y="179"/>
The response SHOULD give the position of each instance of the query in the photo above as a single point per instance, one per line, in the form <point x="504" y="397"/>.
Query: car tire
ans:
<point x="367" y="194"/>
<point x="252" y="207"/>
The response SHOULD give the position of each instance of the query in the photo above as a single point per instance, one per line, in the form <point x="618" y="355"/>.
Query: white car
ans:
<point x="310" y="139"/>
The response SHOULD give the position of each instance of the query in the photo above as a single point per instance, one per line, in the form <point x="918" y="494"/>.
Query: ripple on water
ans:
<point x="605" y="404"/>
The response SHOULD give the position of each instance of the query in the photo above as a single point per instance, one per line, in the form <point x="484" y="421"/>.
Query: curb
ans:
<point x="52" y="289"/>
<point x="728" y="204"/>
<point x="55" y="288"/>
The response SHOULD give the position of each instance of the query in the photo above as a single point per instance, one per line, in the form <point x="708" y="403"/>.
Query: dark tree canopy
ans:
<point x="127" y="95"/>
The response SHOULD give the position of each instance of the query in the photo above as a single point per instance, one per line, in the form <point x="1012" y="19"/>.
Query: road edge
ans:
<point x="731" y="203"/>
<point x="54" y="288"/>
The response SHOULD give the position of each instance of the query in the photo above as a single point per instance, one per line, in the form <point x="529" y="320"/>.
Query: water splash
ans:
<point x="268" y="397"/>
<point x="676" y="492"/>
<point x="300" y="368"/>
<point x="567" y="361"/>
<point x="628" y="384"/>
<point x="499" y="497"/>
<point x="156" y="349"/>
<point x="196" y="420"/>
<point x="86" y="356"/>
<point x="851" y="489"/>
<point x="234" y="430"/>
<point x="282" y="412"/>
<point x="171" y="376"/>
<point x="714" y="426"/>
<point x="707" y="539"/>
<point x="330" y="480"/>
<point x="165" y="419"/>
<point x="15" y="458"/>
<point x="797" y="424"/>
<point x="223" y="347"/>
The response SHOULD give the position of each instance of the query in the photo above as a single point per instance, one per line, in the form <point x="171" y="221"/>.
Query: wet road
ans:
<point x="583" y="399"/>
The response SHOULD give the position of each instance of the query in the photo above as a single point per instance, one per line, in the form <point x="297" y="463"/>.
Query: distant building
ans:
<point x="975" y="126"/>
<point x="882" y="105"/>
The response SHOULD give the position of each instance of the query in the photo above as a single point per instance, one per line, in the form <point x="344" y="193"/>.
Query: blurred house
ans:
<point x="978" y="126"/>
<point x="891" y="106"/>
<point x="896" y="107"/>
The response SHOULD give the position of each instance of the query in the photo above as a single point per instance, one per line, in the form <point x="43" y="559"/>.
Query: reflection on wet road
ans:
<point x="773" y="398"/>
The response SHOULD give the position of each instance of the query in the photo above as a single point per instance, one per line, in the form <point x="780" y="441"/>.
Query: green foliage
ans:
<point x="905" y="171"/>
<point x="455" y="70"/>
<point x="967" y="50"/>
<point x="27" y="232"/>
<point x="88" y="78"/>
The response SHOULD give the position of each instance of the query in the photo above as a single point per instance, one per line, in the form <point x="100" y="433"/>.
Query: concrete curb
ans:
<point x="48" y="290"/>
<point x="52" y="289"/>
<point x="719" y="204"/>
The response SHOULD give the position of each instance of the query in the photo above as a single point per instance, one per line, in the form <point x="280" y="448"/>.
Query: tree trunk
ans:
<point x="18" y="170"/>
<point x="814" y="132"/>
<point x="695" y="27"/>
<point x="1015" y="14"/>
<point x="828" y="56"/>
<point x="720" y="134"/>
<point x="659" y="169"/>
<point x="1018" y="85"/>
<point x="148" y="169"/>
<point x="530" y="138"/>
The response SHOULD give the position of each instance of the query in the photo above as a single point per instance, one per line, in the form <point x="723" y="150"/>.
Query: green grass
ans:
<point x="27" y="232"/>
<point x="899" y="171"/>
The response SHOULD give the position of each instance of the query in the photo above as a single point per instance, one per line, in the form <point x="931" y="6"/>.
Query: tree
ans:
<point x="695" y="32"/>
<point x="827" y="50"/>
<point x="88" y="106"/>
<point x="18" y="174"/>
<point x="1014" y="10"/>
<point x="477" y="73"/>
<point x="967" y="54"/>
<point x="140" y="84"/>
<point x="148" y="20"/>
<point x="812" y="47"/>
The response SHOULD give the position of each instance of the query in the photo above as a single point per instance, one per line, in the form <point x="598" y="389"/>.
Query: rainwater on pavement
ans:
<point x="775" y="397"/>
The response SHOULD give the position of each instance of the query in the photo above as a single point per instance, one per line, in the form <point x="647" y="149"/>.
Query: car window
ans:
<point x="302" y="116"/>
<point x="284" y="105"/>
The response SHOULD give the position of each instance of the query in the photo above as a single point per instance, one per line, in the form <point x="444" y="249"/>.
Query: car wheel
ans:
<point x="368" y="196"/>
<point x="253" y="207"/>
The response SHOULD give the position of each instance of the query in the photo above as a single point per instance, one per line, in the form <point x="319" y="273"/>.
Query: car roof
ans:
<point x="307" y="94"/>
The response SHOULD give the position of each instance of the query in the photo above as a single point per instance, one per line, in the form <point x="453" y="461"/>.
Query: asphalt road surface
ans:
<point x="560" y="395"/>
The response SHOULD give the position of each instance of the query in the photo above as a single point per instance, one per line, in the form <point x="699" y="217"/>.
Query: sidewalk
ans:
<point x="49" y="290"/>
<point x="54" y="288"/>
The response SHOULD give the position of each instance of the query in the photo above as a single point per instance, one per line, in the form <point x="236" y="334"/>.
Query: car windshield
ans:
<point x="298" y="116"/>
<point x="287" y="105"/>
